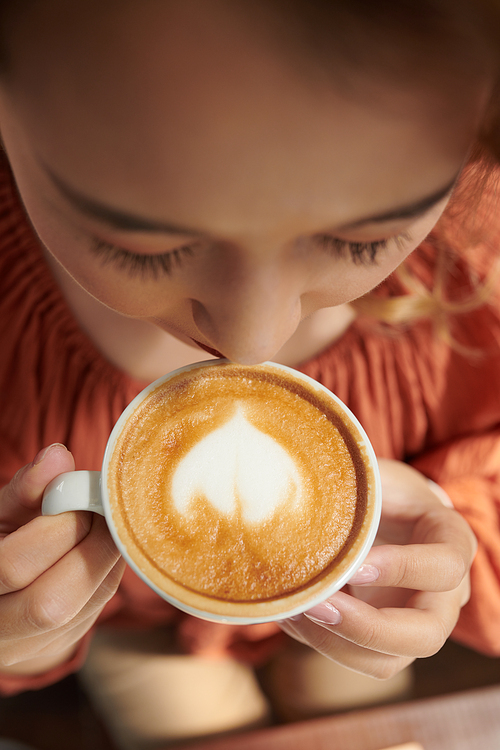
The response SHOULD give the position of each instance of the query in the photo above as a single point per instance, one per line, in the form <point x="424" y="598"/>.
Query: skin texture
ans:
<point x="188" y="114"/>
<point x="50" y="593"/>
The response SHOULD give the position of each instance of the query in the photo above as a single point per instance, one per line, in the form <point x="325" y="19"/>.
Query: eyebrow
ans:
<point x="113" y="217"/>
<point x="125" y="221"/>
<point x="408" y="211"/>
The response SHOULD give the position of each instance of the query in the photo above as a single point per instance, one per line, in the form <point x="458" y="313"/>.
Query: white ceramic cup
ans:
<point x="87" y="490"/>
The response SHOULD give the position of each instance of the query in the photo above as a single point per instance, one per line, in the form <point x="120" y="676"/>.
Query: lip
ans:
<point x="208" y="349"/>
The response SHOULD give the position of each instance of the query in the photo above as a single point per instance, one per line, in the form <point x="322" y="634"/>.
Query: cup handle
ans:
<point x="73" y="490"/>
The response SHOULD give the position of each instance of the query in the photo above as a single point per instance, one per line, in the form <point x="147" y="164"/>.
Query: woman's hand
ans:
<point x="405" y="600"/>
<point x="56" y="573"/>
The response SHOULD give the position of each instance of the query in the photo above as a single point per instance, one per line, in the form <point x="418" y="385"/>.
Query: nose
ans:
<point x="249" y="314"/>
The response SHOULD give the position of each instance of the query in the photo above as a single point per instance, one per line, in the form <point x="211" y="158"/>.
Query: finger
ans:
<point x="56" y="642"/>
<point x="433" y="567"/>
<point x="20" y="499"/>
<point x="438" y="561"/>
<point x="348" y="654"/>
<point x="418" y="630"/>
<point x="62" y="592"/>
<point x="34" y="548"/>
<point x="441" y="524"/>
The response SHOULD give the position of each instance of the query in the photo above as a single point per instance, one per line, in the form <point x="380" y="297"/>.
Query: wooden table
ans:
<point x="459" y="721"/>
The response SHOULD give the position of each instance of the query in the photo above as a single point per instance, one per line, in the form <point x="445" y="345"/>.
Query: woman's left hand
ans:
<point x="404" y="601"/>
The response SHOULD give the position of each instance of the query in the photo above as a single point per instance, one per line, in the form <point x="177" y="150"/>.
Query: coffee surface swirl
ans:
<point x="237" y="483"/>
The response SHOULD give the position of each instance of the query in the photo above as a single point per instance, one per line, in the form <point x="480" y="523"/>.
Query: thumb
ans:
<point x="20" y="500"/>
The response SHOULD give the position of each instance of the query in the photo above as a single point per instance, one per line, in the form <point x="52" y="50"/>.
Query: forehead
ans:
<point x="192" y="104"/>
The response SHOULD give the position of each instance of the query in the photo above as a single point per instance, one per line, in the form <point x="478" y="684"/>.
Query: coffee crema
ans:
<point x="235" y="486"/>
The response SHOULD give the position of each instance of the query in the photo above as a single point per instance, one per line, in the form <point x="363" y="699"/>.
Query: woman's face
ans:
<point x="183" y="171"/>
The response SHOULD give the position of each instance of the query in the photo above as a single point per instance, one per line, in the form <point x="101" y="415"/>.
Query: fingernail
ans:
<point x="41" y="454"/>
<point x="365" y="574"/>
<point x="324" y="614"/>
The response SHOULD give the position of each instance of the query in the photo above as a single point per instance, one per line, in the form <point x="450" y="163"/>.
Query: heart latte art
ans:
<point x="237" y="469"/>
<point x="235" y="487"/>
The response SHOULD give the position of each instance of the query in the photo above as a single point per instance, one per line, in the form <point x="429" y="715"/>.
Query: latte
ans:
<point x="241" y="491"/>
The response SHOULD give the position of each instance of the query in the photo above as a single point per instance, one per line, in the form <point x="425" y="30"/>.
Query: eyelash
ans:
<point x="154" y="266"/>
<point x="362" y="253"/>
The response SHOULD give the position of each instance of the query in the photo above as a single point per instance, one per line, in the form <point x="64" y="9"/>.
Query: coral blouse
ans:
<point x="419" y="399"/>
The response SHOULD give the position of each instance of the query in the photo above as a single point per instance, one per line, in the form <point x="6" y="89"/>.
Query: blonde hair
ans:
<point x="464" y="226"/>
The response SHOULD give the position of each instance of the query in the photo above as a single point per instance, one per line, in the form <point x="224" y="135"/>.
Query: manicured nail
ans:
<point x="324" y="614"/>
<point x="366" y="574"/>
<point x="41" y="454"/>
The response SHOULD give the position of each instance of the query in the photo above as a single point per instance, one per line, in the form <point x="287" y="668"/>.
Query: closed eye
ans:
<point x="364" y="252"/>
<point x="164" y="264"/>
<point x="136" y="264"/>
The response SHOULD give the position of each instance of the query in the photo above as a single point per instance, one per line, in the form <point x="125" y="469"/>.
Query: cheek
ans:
<point x="343" y="280"/>
<point x="364" y="279"/>
<point x="71" y="249"/>
<point x="346" y="280"/>
<point x="125" y="294"/>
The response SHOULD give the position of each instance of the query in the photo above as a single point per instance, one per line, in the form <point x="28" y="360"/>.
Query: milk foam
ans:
<point x="237" y="466"/>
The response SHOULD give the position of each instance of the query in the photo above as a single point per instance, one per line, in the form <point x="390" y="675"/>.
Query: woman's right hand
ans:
<point x="56" y="572"/>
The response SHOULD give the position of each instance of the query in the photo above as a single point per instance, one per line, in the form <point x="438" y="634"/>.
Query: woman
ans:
<point x="233" y="178"/>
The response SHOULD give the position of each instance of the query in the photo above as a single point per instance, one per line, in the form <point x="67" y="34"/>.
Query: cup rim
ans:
<point x="309" y="597"/>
